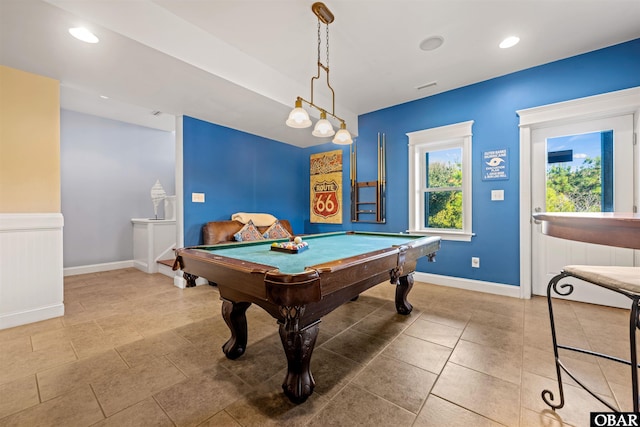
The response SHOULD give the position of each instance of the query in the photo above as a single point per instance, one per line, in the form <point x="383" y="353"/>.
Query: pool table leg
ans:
<point x="233" y="314"/>
<point x="402" y="290"/>
<point x="298" y="345"/>
<point x="190" y="278"/>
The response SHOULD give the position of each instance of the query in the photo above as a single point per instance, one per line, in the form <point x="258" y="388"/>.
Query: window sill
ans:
<point x="446" y="235"/>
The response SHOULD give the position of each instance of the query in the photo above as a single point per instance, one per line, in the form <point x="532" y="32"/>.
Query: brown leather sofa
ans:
<point x="216" y="232"/>
<point x="219" y="232"/>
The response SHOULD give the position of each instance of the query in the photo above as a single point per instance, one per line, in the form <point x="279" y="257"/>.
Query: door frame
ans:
<point x="605" y="105"/>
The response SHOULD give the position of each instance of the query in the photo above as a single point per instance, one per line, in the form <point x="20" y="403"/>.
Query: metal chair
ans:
<point x="623" y="280"/>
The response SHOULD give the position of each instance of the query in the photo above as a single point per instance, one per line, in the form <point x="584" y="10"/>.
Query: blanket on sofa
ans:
<point x="259" y="219"/>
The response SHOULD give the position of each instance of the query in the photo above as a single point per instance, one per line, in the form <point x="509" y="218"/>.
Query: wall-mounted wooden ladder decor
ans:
<point x="368" y="206"/>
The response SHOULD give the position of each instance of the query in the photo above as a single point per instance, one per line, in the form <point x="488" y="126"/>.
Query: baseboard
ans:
<point x="9" y="320"/>
<point x="96" y="268"/>
<point x="142" y="266"/>
<point x="469" y="284"/>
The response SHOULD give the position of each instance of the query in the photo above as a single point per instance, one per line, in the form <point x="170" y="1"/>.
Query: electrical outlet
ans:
<point x="475" y="262"/>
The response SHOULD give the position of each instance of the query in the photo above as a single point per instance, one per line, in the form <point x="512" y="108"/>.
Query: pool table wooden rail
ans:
<point x="264" y="282"/>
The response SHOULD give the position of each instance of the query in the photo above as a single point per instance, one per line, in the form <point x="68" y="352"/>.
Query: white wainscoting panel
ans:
<point x="31" y="268"/>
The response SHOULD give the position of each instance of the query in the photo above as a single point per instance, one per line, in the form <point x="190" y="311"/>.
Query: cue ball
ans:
<point x="297" y="240"/>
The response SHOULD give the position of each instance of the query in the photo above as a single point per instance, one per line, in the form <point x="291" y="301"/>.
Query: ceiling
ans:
<point x="241" y="63"/>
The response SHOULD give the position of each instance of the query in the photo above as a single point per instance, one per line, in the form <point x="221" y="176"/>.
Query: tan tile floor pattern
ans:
<point x="133" y="350"/>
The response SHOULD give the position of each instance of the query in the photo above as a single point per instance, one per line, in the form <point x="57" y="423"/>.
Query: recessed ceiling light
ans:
<point x="431" y="43"/>
<point x="509" y="42"/>
<point x="83" y="34"/>
<point x="104" y="97"/>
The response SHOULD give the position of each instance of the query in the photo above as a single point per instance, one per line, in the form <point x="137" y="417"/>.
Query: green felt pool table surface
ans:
<point x="323" y="248"/>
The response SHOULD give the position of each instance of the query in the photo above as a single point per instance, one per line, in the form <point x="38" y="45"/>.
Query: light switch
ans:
<point x="197" y="197"/>
<point x="497" y="194"/>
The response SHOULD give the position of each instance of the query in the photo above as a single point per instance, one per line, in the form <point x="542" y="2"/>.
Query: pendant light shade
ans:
<point x="298" y="117"/>
<point x="343" y="137"/>
<point x="323" y="127"/>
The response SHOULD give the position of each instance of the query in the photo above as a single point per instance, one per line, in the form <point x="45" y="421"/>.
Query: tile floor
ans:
<point x="133" y="350"/>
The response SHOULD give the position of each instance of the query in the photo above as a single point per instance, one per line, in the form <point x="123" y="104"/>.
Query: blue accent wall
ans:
<point x="239" y="172"/>
<point x="242" y="172"/>
<point x="492" y="105"/>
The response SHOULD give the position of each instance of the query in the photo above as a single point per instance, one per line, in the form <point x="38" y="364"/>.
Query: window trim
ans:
<point x="450" y="136"/>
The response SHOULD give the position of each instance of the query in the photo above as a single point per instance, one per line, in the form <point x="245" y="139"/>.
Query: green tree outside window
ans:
<point x="444" y="198"/>
<point x="575" y="190"/>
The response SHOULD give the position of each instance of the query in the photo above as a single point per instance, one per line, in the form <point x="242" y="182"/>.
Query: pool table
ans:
<point x="297" y="289"/>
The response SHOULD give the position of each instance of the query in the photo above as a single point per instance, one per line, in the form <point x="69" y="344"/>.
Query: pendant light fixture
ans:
<point x="299" y="118"/>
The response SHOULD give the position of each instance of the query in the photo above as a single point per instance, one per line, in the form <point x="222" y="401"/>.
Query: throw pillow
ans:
<point x="276" y="231"/>
<point x="248" y="233"/>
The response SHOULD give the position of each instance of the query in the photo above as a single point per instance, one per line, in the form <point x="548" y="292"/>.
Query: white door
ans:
<point x="557" y="154"/>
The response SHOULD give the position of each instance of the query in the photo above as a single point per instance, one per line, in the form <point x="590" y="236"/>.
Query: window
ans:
<point x="580" y="173"/>
<point x="440" y="181"/>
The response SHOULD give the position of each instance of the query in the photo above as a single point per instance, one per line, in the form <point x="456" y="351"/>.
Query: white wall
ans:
<point x="107" y="171"/>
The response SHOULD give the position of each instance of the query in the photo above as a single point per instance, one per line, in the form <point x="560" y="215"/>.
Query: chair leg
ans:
<point x="633" y="325"/>
<point x="547" y="395"/>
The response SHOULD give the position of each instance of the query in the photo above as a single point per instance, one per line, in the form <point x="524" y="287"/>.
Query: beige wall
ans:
<point x="29" y="142"/>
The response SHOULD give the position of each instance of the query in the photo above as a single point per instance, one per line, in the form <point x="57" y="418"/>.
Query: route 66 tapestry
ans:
<point x="326" y="187"/>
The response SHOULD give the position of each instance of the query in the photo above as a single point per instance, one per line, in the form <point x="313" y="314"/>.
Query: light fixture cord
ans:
<point x="319" y="40"/>
<point x="325" y="66"/>
<point x="327" y="31"/>
<point x="326" y="70"/>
